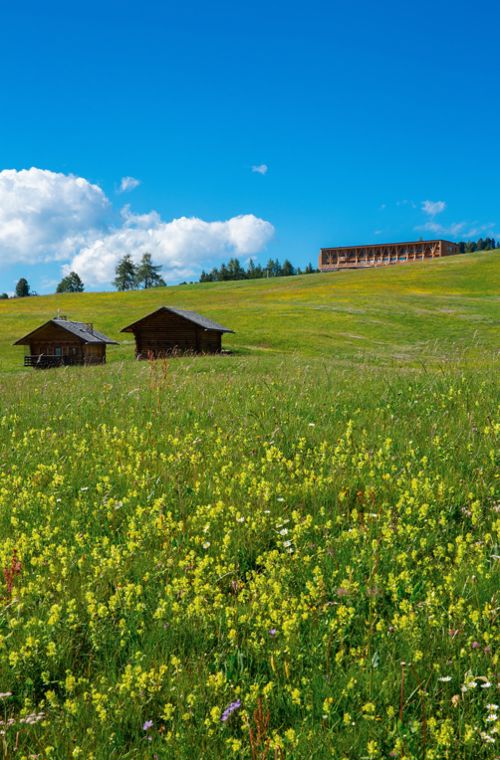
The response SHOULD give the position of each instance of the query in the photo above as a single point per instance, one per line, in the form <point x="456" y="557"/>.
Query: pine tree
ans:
<point x="234" y="270"/>
<point x="22" y="288"/>
<point x="223" y="272"/>
<point x="125" y="274"/>
<point x="147" y="273"/>
<point x="72" y="283"/>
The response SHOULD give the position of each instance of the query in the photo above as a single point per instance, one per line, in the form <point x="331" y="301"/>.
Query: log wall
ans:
<point x="165" y="333"/>
<point x="51" y="340"/>
<point x="94" y="353"/>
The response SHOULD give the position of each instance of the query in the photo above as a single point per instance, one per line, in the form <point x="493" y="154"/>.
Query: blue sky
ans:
<point x="361" y="112"/>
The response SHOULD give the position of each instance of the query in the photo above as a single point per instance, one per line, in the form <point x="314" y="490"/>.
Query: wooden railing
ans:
<point x="45" y="361"/>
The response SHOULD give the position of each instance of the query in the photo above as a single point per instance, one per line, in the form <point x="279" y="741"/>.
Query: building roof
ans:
<point x="82" y="330"/>
<point x="191" y="316"/>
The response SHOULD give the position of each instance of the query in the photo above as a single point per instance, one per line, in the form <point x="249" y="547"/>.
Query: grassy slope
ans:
<point x="375" y="315"/>
<point x="275" y="523"/>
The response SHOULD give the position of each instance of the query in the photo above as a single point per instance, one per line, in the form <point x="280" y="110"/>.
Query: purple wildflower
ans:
<point x="475" y="645"/>
<point x="148" y="724"/>
<point x="272" y="631"/>
<point x="230" y="709"/>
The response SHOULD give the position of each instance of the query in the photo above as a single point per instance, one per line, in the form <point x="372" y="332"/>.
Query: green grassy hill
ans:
<point x="374" y="315"/>
<point x="290" y="553"/>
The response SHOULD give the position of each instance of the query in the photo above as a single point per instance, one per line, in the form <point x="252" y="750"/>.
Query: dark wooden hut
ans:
<point x="60" y="342"/>
<point x="168" y="330"/>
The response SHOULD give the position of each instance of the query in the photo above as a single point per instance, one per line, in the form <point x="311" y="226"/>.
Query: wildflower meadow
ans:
<point x="257" y="556"/>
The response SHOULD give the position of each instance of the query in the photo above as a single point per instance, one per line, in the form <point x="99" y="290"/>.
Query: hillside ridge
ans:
<point x="391" y="310"/>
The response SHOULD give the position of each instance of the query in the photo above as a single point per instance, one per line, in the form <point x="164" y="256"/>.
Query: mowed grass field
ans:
<point x="291" y="551"/>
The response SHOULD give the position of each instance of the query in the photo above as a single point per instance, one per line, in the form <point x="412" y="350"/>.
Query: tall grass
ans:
<point x="251" y="556"/>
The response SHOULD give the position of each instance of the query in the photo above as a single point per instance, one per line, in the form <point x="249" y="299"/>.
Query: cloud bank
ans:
<point x="47" y="216"/>
<point x="181" y="246"/>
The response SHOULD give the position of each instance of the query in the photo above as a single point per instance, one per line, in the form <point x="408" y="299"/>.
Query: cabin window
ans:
<point x="58" y="351"/>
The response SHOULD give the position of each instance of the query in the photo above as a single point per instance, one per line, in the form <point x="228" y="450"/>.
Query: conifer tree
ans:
<point x="125" y="274"/>
<point x="148" y="274"/>
<point x="22" y="288"/>
<point x="72" y="283"/>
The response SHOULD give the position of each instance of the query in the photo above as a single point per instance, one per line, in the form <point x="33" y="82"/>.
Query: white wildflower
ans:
<point x="487" y="738"/>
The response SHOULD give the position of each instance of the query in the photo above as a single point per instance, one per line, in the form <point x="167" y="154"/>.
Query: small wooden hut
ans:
<point x="168" y="330"/>
<point x="60" y="342"/>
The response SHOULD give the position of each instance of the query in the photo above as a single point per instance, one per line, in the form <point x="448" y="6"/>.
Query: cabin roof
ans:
<point x="191" y="316"/>
<point x="82" y="330"/>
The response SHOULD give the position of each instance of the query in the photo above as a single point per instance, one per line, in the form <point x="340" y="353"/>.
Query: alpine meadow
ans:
<point x="286" y="551"/>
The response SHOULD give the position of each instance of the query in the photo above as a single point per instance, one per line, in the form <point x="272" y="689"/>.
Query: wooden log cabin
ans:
<point x="168" y="331"/>
<point x="60" y="342"/>
<point x="362" y="256"/>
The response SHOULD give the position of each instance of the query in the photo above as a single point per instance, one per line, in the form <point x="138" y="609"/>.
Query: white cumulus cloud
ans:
<point x="182" y="246"/>
<point x="128" y="183"/>
<point x="46" y="215"/>
<point x="433" y="207"/>
<point x="260" y="169"/>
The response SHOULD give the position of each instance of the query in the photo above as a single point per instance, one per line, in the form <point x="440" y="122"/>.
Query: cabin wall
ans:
<point x="57" y="348"/>
<point x="95" y="353"/>
<point x="52" y="340"/>
<point x="165" y="332"/>
<point x="53" y="346"/>
<point x="210" y="341"/>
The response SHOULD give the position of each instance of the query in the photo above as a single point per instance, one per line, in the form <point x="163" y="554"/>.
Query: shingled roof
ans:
<point x="82" y="330"/>
<point x="191" y="316"/>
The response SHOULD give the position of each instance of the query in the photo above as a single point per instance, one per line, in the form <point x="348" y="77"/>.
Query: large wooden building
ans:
<point x="168" y="330"/>
<point x="60" y="342"/>
<point x="362" y="256"/>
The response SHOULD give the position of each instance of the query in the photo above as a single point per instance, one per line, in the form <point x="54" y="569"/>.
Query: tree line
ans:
<point x="483" y="244"/>
<point x="234" y="271"/>
<point x="146" y="274"/>
<point x="128" y="276"/>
